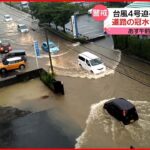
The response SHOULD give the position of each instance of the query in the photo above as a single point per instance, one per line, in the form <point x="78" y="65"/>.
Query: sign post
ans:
<point x="74" y="26"/>
<point x="37" y="52"/>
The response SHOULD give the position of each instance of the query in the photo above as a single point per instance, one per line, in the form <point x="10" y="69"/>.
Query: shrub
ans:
<point x="145" y="49"/>
<point x="120" y="42"/>
<point x="134" y="45"/>
<point x="25" y="10"/>
<point x="47" y="78"/>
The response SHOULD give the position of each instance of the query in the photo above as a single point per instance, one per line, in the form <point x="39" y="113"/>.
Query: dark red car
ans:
<point x="5" y="47"/>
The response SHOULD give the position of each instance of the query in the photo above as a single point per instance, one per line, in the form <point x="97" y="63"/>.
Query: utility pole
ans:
<point x="50" y="58"/>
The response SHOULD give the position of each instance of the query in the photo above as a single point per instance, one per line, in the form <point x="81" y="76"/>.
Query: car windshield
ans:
<point x="95" y="62"/>
<point x="23" y="27"/>
<point x="51" y="45"/>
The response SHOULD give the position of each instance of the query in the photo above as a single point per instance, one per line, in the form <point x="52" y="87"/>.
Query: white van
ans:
<point x="91" y="62"/>
<point x="24" y="4"/>
<point x="22" y="28"/>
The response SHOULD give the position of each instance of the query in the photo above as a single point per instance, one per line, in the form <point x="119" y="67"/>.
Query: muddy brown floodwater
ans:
<point x="84" y="98"/>
<point x="80" y="95"/>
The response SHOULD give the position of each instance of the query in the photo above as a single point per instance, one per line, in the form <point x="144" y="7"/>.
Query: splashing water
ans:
<point x="102" y="130"/>
<point x="77" y="72"/>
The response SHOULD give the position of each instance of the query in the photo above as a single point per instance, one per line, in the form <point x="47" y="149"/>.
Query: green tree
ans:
<point x="120" y="42"/>
<point x="42" y="12"/>
<point x="134" y="45"/>
<point x="58" y="13"/>
<point x="65" y="11"/>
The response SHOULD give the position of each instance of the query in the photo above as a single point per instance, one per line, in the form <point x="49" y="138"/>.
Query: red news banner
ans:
<point x="74" y="148"/>
<point x="123" y="21"/>
<point x="132" y="148"/>
<point x="72" y="0"/>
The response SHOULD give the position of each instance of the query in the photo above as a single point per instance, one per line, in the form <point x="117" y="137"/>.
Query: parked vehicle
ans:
<point x="7" y="18"/>
<point x="24" y="4"/>
<point x="52" y="46"/>
<point x="22" y="28"/>
<point x="15" y="53"/>
<point x="90" y="11"/>
<point x="122" y="110"/>
<point x="5" y="47"/>
<point x="12" y="64"/>
<point x="91" y="62"/>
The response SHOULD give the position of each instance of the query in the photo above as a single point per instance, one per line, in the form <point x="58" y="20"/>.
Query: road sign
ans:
<point x="74" y="26"/>
<point x="37" y="52"/>
<point x="36" y="48"/>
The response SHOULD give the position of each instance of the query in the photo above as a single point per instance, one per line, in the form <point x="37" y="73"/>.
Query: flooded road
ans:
<point x="101" y="126"/>
<point x="85" y="93"/>
<point x="77" y="104"/>
<point x="65" y="62"/>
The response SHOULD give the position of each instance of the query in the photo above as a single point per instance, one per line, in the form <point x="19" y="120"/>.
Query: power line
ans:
<point x="143" y="83"/>
<point x="115" y="69"/>
<point x="123" y="63"/>
<point x="118" y="61"/>
<point x="99" y="45"/>
<point x="58" y="11"/>
<point x="126" y="55"/>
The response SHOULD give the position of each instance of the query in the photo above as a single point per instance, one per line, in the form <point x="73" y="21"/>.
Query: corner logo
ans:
<point x="99" y="13"/>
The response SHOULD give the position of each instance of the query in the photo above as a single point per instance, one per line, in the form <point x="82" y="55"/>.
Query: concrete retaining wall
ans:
<point x="55" y="86"/>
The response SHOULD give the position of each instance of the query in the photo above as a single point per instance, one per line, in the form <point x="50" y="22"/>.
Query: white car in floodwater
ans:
<point x="7" y="18"/>
<point x="91" y="62"/>
<point x="22" y="28"/>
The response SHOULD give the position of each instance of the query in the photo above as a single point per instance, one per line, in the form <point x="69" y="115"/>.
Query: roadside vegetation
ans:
<point x="133" y="45"/>
<point x="56" y="13"/>
<point x="60" y="14"/>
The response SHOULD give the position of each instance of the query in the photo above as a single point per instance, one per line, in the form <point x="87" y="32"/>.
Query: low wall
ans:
<point x="20" y="78"/>
<point x="55" y="86"/>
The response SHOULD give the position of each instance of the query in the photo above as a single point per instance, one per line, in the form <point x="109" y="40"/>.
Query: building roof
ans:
<point x="139" y="5"/>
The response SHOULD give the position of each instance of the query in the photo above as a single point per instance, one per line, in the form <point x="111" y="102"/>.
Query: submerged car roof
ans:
<point x="21" y="25"/>
<point x="17" y="51"/>
<point x="88" y="55"/>
<point x="6" y="15"/>
<point x="14" y="58"/>
<point x="122" y="103"/>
